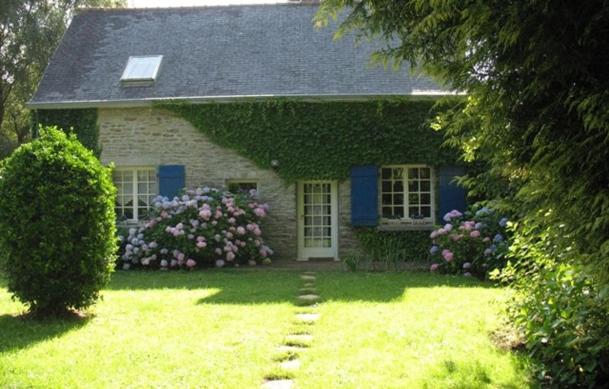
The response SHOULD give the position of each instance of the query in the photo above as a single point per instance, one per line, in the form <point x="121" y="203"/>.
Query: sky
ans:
<point x="190" y="3"/>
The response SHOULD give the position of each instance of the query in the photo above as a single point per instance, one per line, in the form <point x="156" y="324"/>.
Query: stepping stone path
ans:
<point x="299" y="340"/>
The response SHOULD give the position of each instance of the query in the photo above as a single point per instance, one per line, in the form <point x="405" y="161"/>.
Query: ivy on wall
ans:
<point x="322" y="140"/>
<point x="82" y="122"/>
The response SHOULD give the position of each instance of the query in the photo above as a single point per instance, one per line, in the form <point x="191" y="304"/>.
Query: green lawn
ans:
<point x="222" y="328"/>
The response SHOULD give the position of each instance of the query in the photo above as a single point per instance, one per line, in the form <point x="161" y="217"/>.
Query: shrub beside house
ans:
<point x="253" y="97"/>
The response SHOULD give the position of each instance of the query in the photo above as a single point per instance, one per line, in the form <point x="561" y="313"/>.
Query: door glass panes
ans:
<point x="317" y="199"/>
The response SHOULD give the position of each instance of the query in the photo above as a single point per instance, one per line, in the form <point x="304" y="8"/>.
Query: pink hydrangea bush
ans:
<point x="470" y="243"/>
<point x="203" y="227"/>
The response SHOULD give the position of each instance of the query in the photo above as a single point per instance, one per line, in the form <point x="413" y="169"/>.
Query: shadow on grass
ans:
<point x="19" y="332"/>
<point x="243" y="286"/>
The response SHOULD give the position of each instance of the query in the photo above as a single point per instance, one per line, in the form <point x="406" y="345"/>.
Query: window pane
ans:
<point x="398" y="199"/>
<point x="142" y="175"/>
<point x="425" y="186"/>
<point x="398" y="186"/>
<point x="387" y="212"/>
<point x="142" y="200"/>
<point x="398" y="212"/>
<point x="386" y="199"/>
<point x="386" y="187"/>
<point x="413" y="172"/>
<point x="397" y="173"/>
<point x="426" y="211"/>
<point x="413" y="212"/>
<point x="413" y="199"/>
<point x="307" y="232"/>
<point x="385" y="173"/>
<point x="413" y="186"/>
<point x="141" y="68"/>
<point x="425" y="198"/>
<point x="425" y="172"/>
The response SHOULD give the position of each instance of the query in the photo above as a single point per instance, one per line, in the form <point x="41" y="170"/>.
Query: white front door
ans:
<point x="317" y="220"/>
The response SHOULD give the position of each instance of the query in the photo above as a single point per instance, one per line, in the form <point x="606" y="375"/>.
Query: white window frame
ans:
<point x="131" y="62"/>
<point x="244" y="181"/>
<point x="408" y="221"/>
<point x="135" y="195"/>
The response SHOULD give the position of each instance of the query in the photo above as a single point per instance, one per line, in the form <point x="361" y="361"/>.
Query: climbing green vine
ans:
<point x="83" y="122"/>
<point x="323" y="140"/>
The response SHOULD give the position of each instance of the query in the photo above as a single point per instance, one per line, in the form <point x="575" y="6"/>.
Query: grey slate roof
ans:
<point x="217" y="53"/>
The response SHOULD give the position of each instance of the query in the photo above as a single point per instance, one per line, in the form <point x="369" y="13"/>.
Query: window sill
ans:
<point x="385" y="226"/>
<point x="128" y="223"/>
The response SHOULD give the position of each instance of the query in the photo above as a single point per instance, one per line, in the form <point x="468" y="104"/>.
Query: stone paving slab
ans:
<point x="278" y="384"/>
<point x="308" y="317"/>
<point x="304" y="338"/>
<point x="289" y="349"/>
<point x="291" y="364"/>
<point x="305" y="277"/>
<point x="308" y="298"/>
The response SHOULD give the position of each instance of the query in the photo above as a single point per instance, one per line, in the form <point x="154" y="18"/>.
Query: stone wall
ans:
<point x="152" y="137"/>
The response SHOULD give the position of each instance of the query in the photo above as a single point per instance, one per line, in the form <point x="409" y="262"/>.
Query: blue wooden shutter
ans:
<point x="171" y="180"/>
<point x="452" y="196"/>
<point x="364" y="195"/>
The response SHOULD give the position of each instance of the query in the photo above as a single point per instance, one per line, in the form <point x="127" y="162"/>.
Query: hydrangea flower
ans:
<point x="228" y="225"/>
<point x="451" y="215"/>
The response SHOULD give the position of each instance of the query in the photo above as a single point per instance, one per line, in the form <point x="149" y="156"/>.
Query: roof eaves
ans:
<point x="132" y="103"/>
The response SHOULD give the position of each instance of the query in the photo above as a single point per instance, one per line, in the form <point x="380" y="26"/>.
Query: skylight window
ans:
<point x="142" y="68"/>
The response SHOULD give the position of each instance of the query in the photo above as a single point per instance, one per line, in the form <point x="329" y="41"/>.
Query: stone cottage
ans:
<point x="124" y="65"/>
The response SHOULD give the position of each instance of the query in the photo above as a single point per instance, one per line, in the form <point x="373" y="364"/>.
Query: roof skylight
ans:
<point x="142" y="68"/>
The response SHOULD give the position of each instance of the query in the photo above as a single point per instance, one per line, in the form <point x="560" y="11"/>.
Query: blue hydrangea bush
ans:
<point x="470" y="243"/>
<point x="203" y="227"/>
